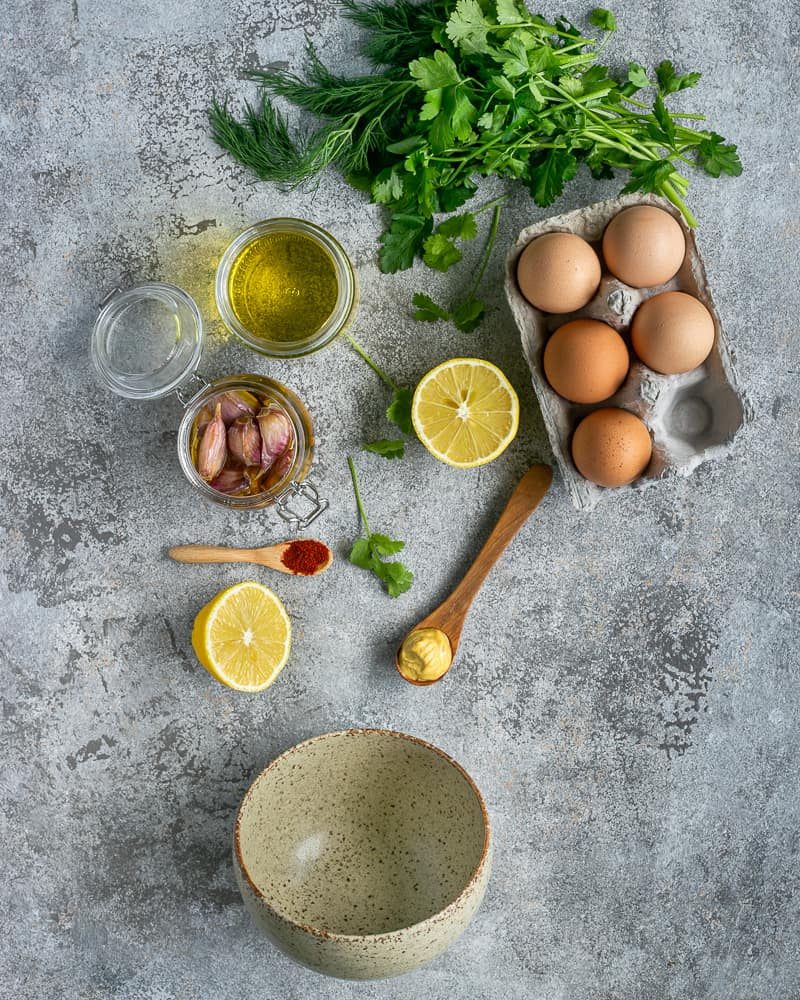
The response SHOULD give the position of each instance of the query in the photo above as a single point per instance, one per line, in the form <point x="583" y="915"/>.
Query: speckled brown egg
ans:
<point x="643" y="246"/>
<point x="558" y="272"/>
<point x="611" y="447"/>
<point x="586" y="361"/>
<point x="672" y="333"/>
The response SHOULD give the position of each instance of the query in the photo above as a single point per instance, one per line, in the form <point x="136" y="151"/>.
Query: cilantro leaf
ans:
<point x="440" y="252"/>
<point x="664" y="119"/>
<point x="670" y="82"/>
<point x="603" y="19"/>
<point x="504" y="87"/>
<point x="717" y="157"/>
<point x="467" y="28"/>
<point x="360" y="554"/>
<point x="549" y="173"/>
<point x="386" y="448"/>
<point x="426" y="310"/>
<point x="401" y="242"/>
<point x="385" y="546"/>
<point x="387" y="186"/>
<point x="648" y="176"/>
<point x="369" y="551"/>
<point x="460" y="227"/>
<point x="433" y="73"/>
<point x="399" y="410"/>
<point x="396" y="578"/>
<point x="508" y="12"/>
<point x="451" y="198"/>
<point x="468" y="315"/>
<point x="514" y="57"/>
<point x="637" y="77"/>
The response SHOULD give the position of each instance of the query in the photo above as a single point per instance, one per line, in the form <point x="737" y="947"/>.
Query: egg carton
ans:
<point x="693" y="418"/>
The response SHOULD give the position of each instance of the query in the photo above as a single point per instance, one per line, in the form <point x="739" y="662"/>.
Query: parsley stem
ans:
<point x="387" y="379"/>
<point x="359" y="503"/>
<point x="487" y="252"/>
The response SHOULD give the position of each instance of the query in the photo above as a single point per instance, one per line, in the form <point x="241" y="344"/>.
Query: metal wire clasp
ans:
<point x="294" y="518"/>
<point x="195" y="383"/>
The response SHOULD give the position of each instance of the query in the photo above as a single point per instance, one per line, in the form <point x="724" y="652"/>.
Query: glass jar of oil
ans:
<point x="286" y="288"/>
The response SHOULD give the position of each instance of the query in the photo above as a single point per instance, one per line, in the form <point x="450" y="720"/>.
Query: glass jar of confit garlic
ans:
<point x="286" y="288"/>
<point x="244" y="441"/>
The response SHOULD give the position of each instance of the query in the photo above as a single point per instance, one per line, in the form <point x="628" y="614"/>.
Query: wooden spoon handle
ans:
<point x="210" y="554"/>
<point x="523" y="501"/>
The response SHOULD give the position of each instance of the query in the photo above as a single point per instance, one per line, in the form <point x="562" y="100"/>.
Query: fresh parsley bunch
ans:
<point x="469" y="89"/>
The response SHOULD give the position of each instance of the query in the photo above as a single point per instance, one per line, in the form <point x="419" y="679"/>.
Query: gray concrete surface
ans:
<point x="627" y="696"/>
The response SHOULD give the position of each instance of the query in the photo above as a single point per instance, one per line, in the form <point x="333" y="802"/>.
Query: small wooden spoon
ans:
<point x="270" y="556"/>
<point x="451" y="614"/>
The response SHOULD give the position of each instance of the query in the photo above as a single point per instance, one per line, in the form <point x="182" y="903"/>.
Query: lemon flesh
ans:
<point x="243" y="636"/>
<point x="465" y="412"/>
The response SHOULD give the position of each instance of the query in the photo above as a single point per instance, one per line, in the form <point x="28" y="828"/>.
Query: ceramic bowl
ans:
<point x="362" y="854"/>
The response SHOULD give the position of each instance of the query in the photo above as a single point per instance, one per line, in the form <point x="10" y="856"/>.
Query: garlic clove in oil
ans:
<point x="212" y="451"/>
<point x="237" y="403"/>
<point x="244" y="441"/>
<point x="229" y="481"/>
<point x="277" y="434"/>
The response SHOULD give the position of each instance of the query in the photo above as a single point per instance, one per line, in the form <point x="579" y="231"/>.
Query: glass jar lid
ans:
<point x="147" y="340"/>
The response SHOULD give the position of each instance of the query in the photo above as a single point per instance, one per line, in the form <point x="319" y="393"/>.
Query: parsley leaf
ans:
<point x="460" y="227"/>
<point x="440" y="252"/>
<point x="426" y="310"/>
<point x="549" y="173"/>
<point x="370" y="551"/>
<point x="468" y="315"/>
<point x="399" y="410"/>
<point x="386" y="448"/>
<point x="436" y="72"/>
<point x="402" y="240"/>
<point x="637" y="77"/>
<point x="717" y="157"/>
<point x="508" y="12"/>
<point x="670" y="82"/>
<point x="467" y="27"/>
<point x="649" y="176"/>
<point x="387" y="186"/>
<point x="664" y="119"/>
<point x="603" y="19"/>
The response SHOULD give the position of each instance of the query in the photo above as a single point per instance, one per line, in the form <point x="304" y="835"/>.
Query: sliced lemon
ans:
<point x="465" y="412"/>
<point x="243" y="636"/>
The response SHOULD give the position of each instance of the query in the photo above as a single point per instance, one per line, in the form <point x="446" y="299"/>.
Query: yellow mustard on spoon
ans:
<point x="428" y="651"/>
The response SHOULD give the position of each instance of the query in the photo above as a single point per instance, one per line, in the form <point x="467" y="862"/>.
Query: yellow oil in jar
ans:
<point x="283" y="286"/>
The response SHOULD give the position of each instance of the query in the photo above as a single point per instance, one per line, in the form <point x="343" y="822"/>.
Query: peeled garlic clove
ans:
<point x="277" y="434"/>
<point x="229" y="481"/>
<point x="280" y="467"/>
<point x="237" y="403"/>
<point x="244" y="441"/>
<point x="212" y="452"/>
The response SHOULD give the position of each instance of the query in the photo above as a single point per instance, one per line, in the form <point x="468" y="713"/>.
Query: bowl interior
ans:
<point x="361" y="832"/>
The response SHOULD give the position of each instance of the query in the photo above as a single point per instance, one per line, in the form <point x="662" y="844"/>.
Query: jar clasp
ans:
<point x="294" y="518"/>
<point x="194" y="384"/>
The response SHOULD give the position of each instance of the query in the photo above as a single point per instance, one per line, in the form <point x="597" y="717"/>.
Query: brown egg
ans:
<point x="558" y="272"/>
<point x="673" y="332"/>
<point x="586" y="361"/>
<point x="644" y="246"/>
<point x="611" y="447"/>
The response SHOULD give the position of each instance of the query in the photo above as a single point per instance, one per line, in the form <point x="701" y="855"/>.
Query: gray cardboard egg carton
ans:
<point x="693" y="417"/>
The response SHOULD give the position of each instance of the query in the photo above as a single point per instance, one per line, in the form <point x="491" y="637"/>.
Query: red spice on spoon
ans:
<point x="305" y="556"/>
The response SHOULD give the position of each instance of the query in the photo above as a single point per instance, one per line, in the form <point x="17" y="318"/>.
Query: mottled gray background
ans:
<point x="627" y="696"/>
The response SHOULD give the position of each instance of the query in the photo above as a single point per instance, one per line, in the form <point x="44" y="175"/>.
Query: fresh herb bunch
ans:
<point x="468" y="89"/>
<point x="371" y="550"/>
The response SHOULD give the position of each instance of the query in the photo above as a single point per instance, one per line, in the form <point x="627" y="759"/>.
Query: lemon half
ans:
<point x="243" y="636"/>
<point x="465" y="412"/>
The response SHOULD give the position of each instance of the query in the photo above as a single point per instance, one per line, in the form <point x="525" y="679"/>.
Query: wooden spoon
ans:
<point x="451" y="614"/>
<point x="270" y="556"/>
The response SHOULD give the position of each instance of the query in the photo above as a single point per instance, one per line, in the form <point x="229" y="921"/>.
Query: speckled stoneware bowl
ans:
<point x="362" y="854"/>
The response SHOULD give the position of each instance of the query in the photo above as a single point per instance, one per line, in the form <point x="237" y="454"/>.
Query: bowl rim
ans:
<point x="320" y="932"/>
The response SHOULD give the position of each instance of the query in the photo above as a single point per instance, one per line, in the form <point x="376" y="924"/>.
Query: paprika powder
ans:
<point x="305" y="556"/>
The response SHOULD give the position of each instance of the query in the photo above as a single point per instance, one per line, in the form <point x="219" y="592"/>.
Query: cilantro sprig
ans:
<point x="371" y="550"/>
<point x="465" y="89"/>
<point x="398" y="411"/>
